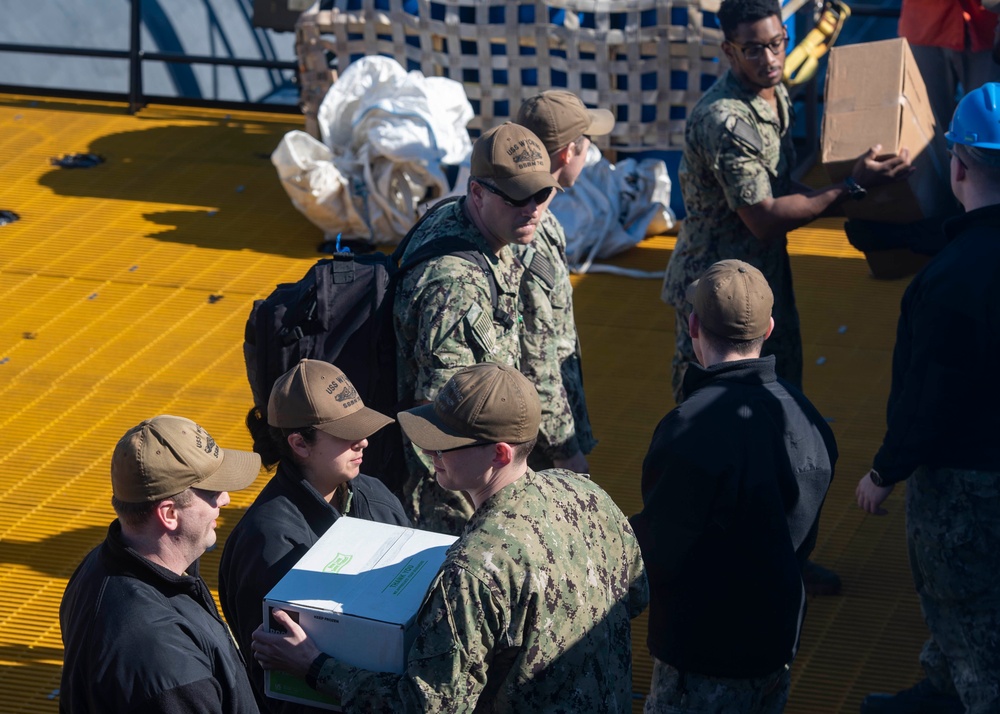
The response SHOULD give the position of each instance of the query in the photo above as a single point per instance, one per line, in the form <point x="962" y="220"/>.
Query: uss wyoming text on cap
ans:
<point x="318" y="394"/>
<point x="514" y="160"/>
<point x="166" y="455"/>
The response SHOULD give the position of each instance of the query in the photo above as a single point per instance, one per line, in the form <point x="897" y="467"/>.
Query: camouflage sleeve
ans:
<point x="344" y="683"/>
<point x="638" y="591"/>
<point x="454" y="326"/>
<point x="447" y="663"/>
<point x="733" y="148"/>
<point x="544" y="304"/>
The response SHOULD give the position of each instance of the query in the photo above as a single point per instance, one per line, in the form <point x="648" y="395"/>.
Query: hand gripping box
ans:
<point x="875" y="95"/>
<point x="356" y="592"/>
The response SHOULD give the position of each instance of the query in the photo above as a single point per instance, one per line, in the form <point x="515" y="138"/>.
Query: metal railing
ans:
<point x="136" y="56"/>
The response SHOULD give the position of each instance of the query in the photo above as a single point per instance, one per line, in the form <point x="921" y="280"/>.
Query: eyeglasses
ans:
<point x="540" y="197"/>
<point x="438" y="452"/>
<point x="754" y="52"/>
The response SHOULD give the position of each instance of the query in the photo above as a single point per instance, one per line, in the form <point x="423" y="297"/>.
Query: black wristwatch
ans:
<point x="854" y="189"/>
<point x="876" y="477"/>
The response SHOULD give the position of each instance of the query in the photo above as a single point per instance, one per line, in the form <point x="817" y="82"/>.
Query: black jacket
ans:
<point x="942" y="409"/>
<point x="140" y="638"/>
<point x="732" y="487"/>
<point x="285" y="520"/>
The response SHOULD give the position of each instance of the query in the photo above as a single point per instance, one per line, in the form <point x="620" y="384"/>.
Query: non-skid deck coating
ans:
<point x="125" y="288"/>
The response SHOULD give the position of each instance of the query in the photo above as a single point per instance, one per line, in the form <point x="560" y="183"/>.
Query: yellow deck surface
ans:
<point x="125" y="289"/>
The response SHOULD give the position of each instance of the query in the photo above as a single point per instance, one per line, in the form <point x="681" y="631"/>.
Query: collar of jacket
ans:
<point x="758" y="370"/>
<point x="987" y="215"/>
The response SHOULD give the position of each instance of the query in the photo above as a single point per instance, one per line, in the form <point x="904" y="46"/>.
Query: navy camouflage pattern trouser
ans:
<point x="675" y="692"/>
<point x="953" y="535"/>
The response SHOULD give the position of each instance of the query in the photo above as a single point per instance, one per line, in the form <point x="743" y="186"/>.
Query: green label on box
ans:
<point x="405" y="576"/>
<point x="290" y="686"/>
<point x="339" y="562"/>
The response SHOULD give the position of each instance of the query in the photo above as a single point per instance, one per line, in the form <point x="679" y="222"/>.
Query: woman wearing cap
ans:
<point x="319" y="429"/>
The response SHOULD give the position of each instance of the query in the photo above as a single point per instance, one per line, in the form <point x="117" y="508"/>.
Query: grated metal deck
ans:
<point x="125" y="288"/>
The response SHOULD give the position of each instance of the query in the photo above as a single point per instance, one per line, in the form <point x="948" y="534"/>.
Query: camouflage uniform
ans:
<point x="672" y="692"/>
<point x="550" y="348"/>
<point x="952" y="528"/>
<point x="530" y="611"/>
<point x="736" y="154"/>
<point x="444" y="321"/>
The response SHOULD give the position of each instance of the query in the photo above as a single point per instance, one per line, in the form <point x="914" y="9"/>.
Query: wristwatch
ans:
<point x="876" y="477"/>
<point x="854" y="189"/>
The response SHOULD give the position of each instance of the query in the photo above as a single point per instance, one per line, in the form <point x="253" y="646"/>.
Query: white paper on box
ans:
<point x="356" y="593"/>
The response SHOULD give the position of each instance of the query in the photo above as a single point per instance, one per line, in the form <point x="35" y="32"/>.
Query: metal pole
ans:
<point x="135" y="57"/>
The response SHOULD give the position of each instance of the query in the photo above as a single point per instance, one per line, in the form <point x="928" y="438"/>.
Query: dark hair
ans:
<point x="735" y="12"/>
<point x="271" y="443"/>
<point x="137" y="514"/>
<point x="522" y="450"/>
<point x="727" y="345"/>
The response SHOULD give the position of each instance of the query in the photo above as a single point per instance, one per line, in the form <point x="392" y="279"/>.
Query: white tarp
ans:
<point x="612" y="207"/>
<point x="388" y="133"/>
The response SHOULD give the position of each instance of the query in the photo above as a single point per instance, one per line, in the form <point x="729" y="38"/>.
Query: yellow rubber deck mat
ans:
<point x="125" y="288"/>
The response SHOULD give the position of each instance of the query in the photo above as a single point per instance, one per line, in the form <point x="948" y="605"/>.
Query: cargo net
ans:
<point x="648" y="61"/>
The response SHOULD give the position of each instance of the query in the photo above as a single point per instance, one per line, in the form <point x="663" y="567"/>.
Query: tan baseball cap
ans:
<point x="558" y="117"/>
<point x="487" y="403"/>
<point x="315" y="393"/>
<point x="514" y="160"/>
<point x="166" y="455"/>
<point x="733" y="300"/>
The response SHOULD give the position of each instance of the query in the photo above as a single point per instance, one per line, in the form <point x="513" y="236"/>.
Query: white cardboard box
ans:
<point x="356" y="593"/>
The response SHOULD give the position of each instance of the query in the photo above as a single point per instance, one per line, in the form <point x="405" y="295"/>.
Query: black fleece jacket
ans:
<point x="140" y="638"/>
<point x="732" y="488"/>
<point x="943" y="407"/>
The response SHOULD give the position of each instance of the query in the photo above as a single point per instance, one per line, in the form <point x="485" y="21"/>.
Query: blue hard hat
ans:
<point x="977" y="118"/>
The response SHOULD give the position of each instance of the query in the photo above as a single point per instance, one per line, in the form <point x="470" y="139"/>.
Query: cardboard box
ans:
<point x="875" y="95"/>
<point x="357" y="592"/>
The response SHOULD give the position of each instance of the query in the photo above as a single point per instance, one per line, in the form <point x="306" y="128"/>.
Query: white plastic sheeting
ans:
<point x="387" y="134"/>
<point x="612" y="207"/>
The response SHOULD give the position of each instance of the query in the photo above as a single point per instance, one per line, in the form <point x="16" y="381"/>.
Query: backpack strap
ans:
<point x="461" y="248"/>
<point x="397" y="254"/>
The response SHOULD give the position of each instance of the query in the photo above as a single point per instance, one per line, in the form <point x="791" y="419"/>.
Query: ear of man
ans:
<point x="503" y="454"/>
<point x="168" y="514"/>
<point x="694" y="326"/>
<point x="298" y="444"/>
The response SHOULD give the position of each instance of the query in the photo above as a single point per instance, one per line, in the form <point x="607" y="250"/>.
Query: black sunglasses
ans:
<point x="438" y="452"/>
<point x="539" y="197"/>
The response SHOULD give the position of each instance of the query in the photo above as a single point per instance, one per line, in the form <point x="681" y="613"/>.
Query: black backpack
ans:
<point x="341" y="312"/>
